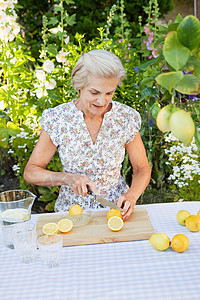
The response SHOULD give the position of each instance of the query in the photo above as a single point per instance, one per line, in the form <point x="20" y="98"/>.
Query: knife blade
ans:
<point x="104" y="202"/>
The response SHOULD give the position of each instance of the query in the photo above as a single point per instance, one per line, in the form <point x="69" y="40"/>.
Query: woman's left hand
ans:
<point x="127" y="205"/>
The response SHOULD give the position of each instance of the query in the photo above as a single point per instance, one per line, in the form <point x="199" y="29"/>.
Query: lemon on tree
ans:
<point x="159" y="241"/>
<point x="180" y="243"/>
<point x="181" y="216"/>
<point x="115" y="223"/>
<point x="163" y="117"/>
<point x="75" y="210"/>
<point x="114" y="212"/>
<point x="65" y="225"/>
<point x="50" y="228"/>
<point x="193" y="223"/>
<point x="182" y="126"/>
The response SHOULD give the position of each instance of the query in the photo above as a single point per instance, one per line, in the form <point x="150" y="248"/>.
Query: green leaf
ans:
<point x="147" y="81"/>
<point x="189" y="84"/>
<point x="169" y="80"/>
<point x="148" y="92"/>
<point x="188" y="32"/>
<point x="52" y="49"/>
<point x="57" y="8"/>
<point x="197" y="137"/>
<point x="155" y="109"/>
<point x="175" y="53"/>
<point x="70" y="20"/>
<point x="149" y="63"/>
<point x="53" y="21"/>
<point x="193" y="64"/>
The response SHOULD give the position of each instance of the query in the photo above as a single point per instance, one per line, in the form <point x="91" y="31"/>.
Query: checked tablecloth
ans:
<point x="112" y="271"/>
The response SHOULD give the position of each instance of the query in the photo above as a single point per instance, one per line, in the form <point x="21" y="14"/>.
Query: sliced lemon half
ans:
<point x="115" y="223"/>
<point x="50" y="228"/>
<point x="65" y="225"/>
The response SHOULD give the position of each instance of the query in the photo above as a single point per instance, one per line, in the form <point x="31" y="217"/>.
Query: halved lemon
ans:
<point x="115" y="223"/>
<point x="65" y="225"/>
<point x="50" y="228"/>
<point x="75" y="210"/>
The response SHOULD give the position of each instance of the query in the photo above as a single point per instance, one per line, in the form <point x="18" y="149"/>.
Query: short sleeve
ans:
<point x="133" y="125"/>
<point x="50" y="122"/>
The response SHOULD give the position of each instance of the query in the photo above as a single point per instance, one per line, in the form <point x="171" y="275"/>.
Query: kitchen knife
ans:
<point x="104" y="202"/>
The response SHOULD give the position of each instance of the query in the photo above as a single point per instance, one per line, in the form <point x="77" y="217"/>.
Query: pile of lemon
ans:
<point x="180" y="242"/>
<point x="64" y="225"/>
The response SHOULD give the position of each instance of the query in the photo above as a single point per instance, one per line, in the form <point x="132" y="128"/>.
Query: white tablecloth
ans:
<point x="112" y="271"/>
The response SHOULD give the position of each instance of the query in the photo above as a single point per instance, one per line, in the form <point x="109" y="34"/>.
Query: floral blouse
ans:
<point x="101" y="161"/>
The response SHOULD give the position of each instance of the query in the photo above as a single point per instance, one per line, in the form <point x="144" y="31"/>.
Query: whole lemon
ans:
<point x="198" y="214"/>
<point x="75" y="210"/>
<point x="114" y="213"/>
<point x="182" y="216"/>
<point x="159" y="241"/>
<point x="180" y="243"/>
<point x="193" y="223"/>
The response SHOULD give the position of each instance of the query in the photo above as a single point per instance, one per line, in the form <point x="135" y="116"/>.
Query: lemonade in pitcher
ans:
<point x="15" y="212"/>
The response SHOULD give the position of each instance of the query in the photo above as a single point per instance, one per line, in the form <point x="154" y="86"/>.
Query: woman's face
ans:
<point x="95" y="97"/>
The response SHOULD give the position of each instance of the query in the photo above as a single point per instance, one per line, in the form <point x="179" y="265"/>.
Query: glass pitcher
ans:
<point x="15" y="211"/>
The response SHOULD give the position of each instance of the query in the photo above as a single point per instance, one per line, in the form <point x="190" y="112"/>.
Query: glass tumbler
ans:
<point x="25" y="243"/>
<point x="50" y="249"/>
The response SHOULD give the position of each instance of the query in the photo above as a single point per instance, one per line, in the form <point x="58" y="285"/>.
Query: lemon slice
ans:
<point x="50" y="228"/>
<point x="12" y="215"/>
<point x="75" y="210"/>
<point x="65" y="225"/>
<point x="115" y="223"/>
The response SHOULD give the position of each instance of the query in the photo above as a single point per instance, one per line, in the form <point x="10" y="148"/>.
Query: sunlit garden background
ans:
<point x="40" y="41"/>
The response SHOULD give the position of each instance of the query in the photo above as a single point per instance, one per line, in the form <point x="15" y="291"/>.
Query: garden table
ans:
<point x="111" y="271"/>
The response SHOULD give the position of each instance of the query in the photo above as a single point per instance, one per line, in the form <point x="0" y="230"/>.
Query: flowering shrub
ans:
<point x="184" y="163"/>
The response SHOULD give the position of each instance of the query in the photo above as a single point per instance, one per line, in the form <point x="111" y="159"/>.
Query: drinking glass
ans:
<point x="50" y="249"/>
<point x="25" y="243"/>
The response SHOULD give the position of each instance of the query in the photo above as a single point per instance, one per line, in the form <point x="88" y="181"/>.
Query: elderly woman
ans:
<point x="91" y="134"/>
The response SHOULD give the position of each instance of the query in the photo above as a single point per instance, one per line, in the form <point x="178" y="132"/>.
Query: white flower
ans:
<point x="4" y="31"/>
<point x="3" y="5"/>
<point x="56" y="30"/>
<point x="50" y="85"/>
<point x="2" y="105"/>
<point x="10" y="4"/>
<point x="16" y="28"/>
<point x="13" y="60"/>
<point x="2" y="16"/>
<point x="48" y="66"/>
<point x="40" y="93"/>
<point x="15" y="167"/>
<point x="40" y="74"/>
<point x="66" y="69"/>
<point x="66" y="40"/>
<point x="61" y="56"/>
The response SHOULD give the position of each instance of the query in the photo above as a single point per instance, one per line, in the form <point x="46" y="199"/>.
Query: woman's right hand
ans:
<point x="80" y="183"/>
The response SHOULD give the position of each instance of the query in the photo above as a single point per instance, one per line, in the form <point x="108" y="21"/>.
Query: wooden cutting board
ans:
<point x="137" y="227"/>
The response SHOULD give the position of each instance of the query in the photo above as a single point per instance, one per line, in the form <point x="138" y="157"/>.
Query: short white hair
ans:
<point x="100" y="63"/>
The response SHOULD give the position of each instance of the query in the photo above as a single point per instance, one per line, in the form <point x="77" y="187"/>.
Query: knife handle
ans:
<point x="90" y="192"/>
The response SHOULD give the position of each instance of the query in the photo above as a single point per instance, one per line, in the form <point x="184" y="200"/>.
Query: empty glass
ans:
<point x="50" y="248"/>
<point x="25" y="243"/>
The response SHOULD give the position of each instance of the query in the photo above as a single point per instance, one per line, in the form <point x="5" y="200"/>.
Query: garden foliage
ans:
<point x="29" y="84"/>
